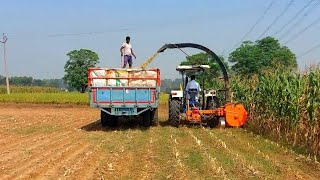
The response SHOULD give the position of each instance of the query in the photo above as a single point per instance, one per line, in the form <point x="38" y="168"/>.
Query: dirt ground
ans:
<point x="67" y="142"/>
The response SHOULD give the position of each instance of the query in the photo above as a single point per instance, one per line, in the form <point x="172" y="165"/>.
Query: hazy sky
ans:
<point x="41" y="32"/>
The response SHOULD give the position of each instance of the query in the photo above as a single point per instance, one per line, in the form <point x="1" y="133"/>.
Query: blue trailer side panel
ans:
<point x="118" y="91"/>
<point x="124" y="100"/>
<point x="123" y="95"/>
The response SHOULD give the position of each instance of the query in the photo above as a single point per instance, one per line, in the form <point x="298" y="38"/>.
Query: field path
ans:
<point x="67" y="142"/>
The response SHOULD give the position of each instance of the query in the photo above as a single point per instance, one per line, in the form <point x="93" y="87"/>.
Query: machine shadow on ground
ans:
<point x="129" y="123"/>
<point x="123" y="125"/>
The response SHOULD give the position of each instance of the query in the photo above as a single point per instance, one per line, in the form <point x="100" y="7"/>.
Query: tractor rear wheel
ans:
<point x="212" y="102"/>
<point x="174" y="112"/>
<point x="154" y="117"/>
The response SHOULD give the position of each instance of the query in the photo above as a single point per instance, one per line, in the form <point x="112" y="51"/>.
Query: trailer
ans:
<point x="125" y="93"/>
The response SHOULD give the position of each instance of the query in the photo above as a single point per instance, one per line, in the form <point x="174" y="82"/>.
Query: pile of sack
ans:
<point x="123" y="77"/>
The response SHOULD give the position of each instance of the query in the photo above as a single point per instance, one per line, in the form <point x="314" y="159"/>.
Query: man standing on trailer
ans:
<point x="127" y="53"/>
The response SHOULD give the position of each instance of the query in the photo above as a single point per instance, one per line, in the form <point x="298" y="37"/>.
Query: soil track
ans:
<point x="64" y="141"/>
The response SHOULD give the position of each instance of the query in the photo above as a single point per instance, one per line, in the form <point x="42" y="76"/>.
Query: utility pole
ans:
<point x="5" y="61"/>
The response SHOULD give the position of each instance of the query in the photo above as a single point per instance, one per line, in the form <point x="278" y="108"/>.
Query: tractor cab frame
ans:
<point x="186" y="71"/>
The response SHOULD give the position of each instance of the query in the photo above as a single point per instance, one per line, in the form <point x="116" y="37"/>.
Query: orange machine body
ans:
<point x="235" y="114"/>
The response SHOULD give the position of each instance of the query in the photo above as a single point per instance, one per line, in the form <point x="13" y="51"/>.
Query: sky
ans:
<point x="41" y="32"/>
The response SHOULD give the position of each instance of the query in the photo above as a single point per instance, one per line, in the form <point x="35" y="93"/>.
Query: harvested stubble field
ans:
<point x="67" y="141"/>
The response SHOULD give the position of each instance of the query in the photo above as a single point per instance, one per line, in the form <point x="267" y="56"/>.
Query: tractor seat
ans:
<point x="193" y="93"/>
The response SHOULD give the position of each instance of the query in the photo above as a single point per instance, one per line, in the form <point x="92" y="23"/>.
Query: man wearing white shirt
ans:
<point x="127" y="53"/>
<point x="193" y="85"/>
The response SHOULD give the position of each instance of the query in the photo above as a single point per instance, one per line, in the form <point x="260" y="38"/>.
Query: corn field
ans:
<point x="285" y="106"/>
<point x="29" y="89"/>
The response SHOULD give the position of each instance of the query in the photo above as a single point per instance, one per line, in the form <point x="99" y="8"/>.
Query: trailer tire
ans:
<point x="113" y="121"/>
<point x="104" y="119"/>
<point x="154" y="117"/>
<point x="108" y="120"/>
<point x="147" y="118"/>
<point x="174" y="112"/>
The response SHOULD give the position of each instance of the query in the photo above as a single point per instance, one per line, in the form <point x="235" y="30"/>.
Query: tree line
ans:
<point x="248" y="60"/>
<point x="166" y="84"/>
<point x="30" y="81"/>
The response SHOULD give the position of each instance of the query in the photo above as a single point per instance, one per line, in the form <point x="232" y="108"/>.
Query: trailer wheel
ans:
<point x="104" y="119"/>
<point x="108" y="120"/>
<point x="154" y="117"/>
<point x="113" y="121"/>
<point x="174" y="112"/>
<point x="147" y="118"/>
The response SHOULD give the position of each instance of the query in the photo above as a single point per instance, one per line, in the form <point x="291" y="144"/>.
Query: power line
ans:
<point x="286" y="33"/>
<point x="86" y="33"/>
<point x="255" y="24"/>
<point x="293" y="18"/>
<point x="277" y="18"/>
<point x="295" y="36"/>
<point x="135" y="27"/>
<point x="309" y="51"/>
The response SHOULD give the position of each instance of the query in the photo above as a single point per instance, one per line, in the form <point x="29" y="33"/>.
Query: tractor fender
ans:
<point x="176" y="94"/>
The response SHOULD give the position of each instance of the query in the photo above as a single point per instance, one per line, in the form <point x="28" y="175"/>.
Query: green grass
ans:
<point x="56" y="98"/>
<point x="195" y="160"/>
<point x="46" y="98"/>
<point x="29" y="89"/>
<point x="45" y="128"/>
<point x="164" y="99"/>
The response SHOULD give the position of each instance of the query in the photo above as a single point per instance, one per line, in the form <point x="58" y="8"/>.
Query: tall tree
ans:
<point x="265" y="54"/>
<point x="76" y="68"/>
<point x="168" y="84"/>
